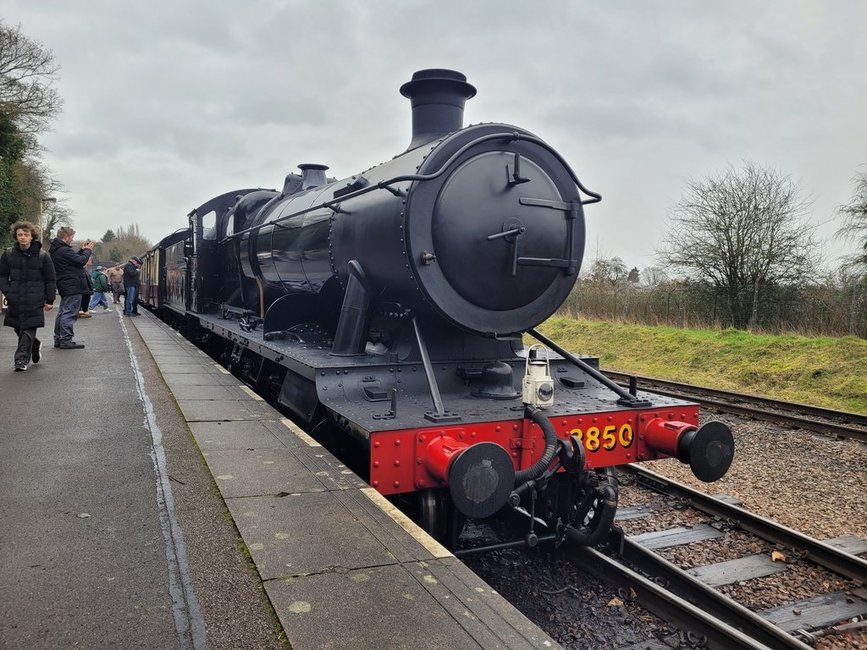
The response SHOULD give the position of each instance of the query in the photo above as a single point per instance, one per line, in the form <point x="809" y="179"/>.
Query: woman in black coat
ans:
<point x="28" y="282"/>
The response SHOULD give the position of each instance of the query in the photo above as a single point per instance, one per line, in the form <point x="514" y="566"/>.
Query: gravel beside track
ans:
<point x="805" y="481"/>
<point x="573" y="607"/>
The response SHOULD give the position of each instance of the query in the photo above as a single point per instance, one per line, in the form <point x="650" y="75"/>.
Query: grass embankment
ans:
<point x="829" y="372"/>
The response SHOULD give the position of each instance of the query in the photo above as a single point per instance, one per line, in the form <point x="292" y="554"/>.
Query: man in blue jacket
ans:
<point x="72" y="282"/>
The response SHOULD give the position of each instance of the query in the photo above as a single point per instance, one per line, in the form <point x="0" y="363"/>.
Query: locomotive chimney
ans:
<point x="312" y="175"/>
<point x="438" y="97"/>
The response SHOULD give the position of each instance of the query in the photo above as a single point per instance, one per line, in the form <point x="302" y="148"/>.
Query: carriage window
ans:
<point x="230" y="226"/>
<point x="209" y="226"/>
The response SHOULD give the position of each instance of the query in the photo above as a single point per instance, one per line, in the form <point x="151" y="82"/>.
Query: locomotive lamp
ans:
<point x="538" y="385"/>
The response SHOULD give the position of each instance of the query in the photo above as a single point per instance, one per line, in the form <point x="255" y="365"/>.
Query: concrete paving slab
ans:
<point x="225" y="393"/>
<point x="198" y="379"/>
<point x="198" y="410"/>
<point x="397" y="532"/>
<point x="448" y="607"/>
<point x="177" y="366"/>
<point x="281" y="547"/>
<point x="256" y="472"/>
<point x="170" y="354"/>
<point x="333" y="474"/>
<point x="338" y="600"/>
<point x="222" y="436"/>
<point x="184" y="365"/>
<point x="163" y="344"/>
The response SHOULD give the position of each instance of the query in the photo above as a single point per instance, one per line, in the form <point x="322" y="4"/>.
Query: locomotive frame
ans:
<point x="386" y="320"/>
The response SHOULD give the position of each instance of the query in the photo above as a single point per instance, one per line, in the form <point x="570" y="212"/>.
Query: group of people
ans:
<point x="31" y="278"/>
<point x="113" y="280"/>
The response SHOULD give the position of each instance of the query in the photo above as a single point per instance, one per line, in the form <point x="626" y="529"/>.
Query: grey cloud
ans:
<point x="191" y="99"/>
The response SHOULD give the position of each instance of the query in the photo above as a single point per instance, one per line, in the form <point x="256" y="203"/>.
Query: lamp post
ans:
<point x="50" y="200"/>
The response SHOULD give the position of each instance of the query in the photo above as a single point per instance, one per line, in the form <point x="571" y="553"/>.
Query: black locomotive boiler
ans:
<point x="387" y="311"/>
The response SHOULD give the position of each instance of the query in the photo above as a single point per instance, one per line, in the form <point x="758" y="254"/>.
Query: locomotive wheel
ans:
<point x="438" y="516"/>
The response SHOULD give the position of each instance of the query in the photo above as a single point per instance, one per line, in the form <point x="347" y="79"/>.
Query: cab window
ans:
<point x="209" y="226"/>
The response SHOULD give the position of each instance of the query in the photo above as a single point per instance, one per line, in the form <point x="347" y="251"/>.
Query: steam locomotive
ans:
<point x="387" y="313"/>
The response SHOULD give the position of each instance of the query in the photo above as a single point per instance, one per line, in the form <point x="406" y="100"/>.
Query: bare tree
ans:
<point x="125" y="243"/>
<point x="612" y="271"/>
<point x="854" y="267"/>
<point x="854" y="226"/>
<point x="741" y="231"/>
<point x="653" y="276"/>
<point x="27" y="74"/>
<point x="56" y="215"/>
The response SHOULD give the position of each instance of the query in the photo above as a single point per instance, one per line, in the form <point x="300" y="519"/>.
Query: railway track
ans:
<point x="691" y="598"/>
<point x="839" y="424"/>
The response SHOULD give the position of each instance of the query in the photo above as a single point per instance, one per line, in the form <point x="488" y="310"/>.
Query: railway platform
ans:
<point x="149" y="499"/>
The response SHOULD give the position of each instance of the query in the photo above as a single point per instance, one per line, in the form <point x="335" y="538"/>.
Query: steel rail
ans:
<point x="706" y="598"/>
<point x="852" y="418"/>
<point x="705" y="629"/>
<point x="830" y="428"/>
<point x="818" y="552"/>
<point x="854" y="425"/>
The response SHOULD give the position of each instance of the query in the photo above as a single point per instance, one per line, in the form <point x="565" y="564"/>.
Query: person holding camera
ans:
<point x="72" y="283"/>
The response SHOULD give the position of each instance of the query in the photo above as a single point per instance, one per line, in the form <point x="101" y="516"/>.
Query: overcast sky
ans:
<point x="170" y="102"/>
